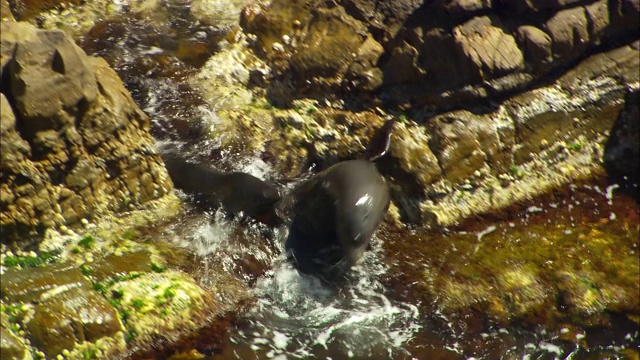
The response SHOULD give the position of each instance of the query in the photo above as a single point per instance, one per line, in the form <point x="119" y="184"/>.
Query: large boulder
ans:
<point x="75" y="145"/>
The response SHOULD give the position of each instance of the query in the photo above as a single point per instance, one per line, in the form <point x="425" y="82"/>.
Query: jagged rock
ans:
<point x="11" y="346"/>
<point x="79" y="146"/>
<point x="48" y="73"/>
<point x="444" y="52"/>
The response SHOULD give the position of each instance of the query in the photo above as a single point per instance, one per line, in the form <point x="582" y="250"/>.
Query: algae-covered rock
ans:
<point x="72" y="316"/>
<point x="79" y="146"/>
<point x="558" y="264"/>
<point x="12" y="347"/>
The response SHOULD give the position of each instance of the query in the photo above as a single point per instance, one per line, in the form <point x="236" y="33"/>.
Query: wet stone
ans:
<point x="114" y="265"/>
<point x="11" y="346"/>
<point x="31" y="284"/>
<point x="71" y="317"/>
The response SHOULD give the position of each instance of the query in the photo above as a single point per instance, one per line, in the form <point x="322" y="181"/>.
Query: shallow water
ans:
<point x="381" y="310"/>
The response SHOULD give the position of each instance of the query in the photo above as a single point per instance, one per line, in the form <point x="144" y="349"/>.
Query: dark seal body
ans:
<point x="235" y="192"/>
<point x="333" y="216"/>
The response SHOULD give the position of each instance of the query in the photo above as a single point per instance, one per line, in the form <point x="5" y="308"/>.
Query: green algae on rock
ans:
<point x="534" y="270"/>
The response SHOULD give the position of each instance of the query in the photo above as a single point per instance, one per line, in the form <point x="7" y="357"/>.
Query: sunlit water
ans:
<point x="374" y="313"/>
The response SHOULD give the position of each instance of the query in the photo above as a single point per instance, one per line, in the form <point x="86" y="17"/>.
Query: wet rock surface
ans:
<point x="75" y="145"/>
<point x="495" y="102"/>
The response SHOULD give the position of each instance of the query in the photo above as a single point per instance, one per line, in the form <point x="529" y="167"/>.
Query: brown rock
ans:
<point x="598" y="16"/>
<point x="49" y="72"/>
<point x="569" y="33"/>
<point x="30" y="283"/>
<point x="536" y="44"/>
<point x="332" y="38"/>
<point x="529" y="6"/>
<point x="402" y="67"/>
<point x="465" y="6"/>
<point x="67" y="121"/>
<point x="71" y="317"/>
<point x="11" y="346"/>
<point x="28" y="9"/>
<point x="490" y="51"/>
<point x="624" y="15"/>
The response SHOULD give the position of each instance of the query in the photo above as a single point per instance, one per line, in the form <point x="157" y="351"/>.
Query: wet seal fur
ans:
<point x="333" y="217"/>
<point x="236" y="192"/>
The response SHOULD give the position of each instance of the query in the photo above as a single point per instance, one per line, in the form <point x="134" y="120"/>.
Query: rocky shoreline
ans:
<point x="496" y="103"/>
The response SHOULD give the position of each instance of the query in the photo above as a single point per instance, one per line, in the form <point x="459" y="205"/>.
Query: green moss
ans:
<point x="157" y="268"/>
<point x="76" y="250"/>
<point x="311" y="109"/>
<point x="117" y="294"/>
<point x="13" y="310"/>
<point x="90" y="353"/>
<point x="87" y="242"/>
<point x="29" y="261"/>
<point x="164" y="312"/>
<point x="85" y="270"/>
<point x="516" y="171"/>
<point x="131" y="334"/>
<point x="169" y="293"/>
<point x="100" y="287"/>
<point x="576" y="146"/>
<point x="137" y="304"/>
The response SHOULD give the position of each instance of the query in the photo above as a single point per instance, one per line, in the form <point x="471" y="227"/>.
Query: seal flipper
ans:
<point x="381" y="140"/>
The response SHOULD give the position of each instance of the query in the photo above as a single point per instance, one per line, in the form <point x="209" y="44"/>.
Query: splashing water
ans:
<point x="300" y="316"/>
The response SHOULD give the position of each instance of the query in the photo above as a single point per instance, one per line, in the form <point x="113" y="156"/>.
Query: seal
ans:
<point x="236" y="192"/>
<point x="333" y="215"/>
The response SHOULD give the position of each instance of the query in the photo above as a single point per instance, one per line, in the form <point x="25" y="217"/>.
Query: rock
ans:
<point x="599" y="20"/>
<point x="5" y="11"/>
<point x="34" y="284"/>
<point x="622" y="150"/>
<point x="49" y="72"/>
<point x="489" y="50"/>
<point x="71" y="126"/>
<point x="624" y="15"/>
<point x="402" y="67"/>
<point x="11" y="346"/>
<point x="71" y="317"/>
<point x="465" y="6"/>
<point x="27" y="9"/>
<point x="114" y="265"/>
<point x="536" y="44"/>
<point x="569" y="32"/>
<point x="532" y="7"/>
<point x="332" y="38"/>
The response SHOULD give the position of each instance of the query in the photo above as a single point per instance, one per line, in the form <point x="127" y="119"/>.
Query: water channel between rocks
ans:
<point x="385" y="308"/>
